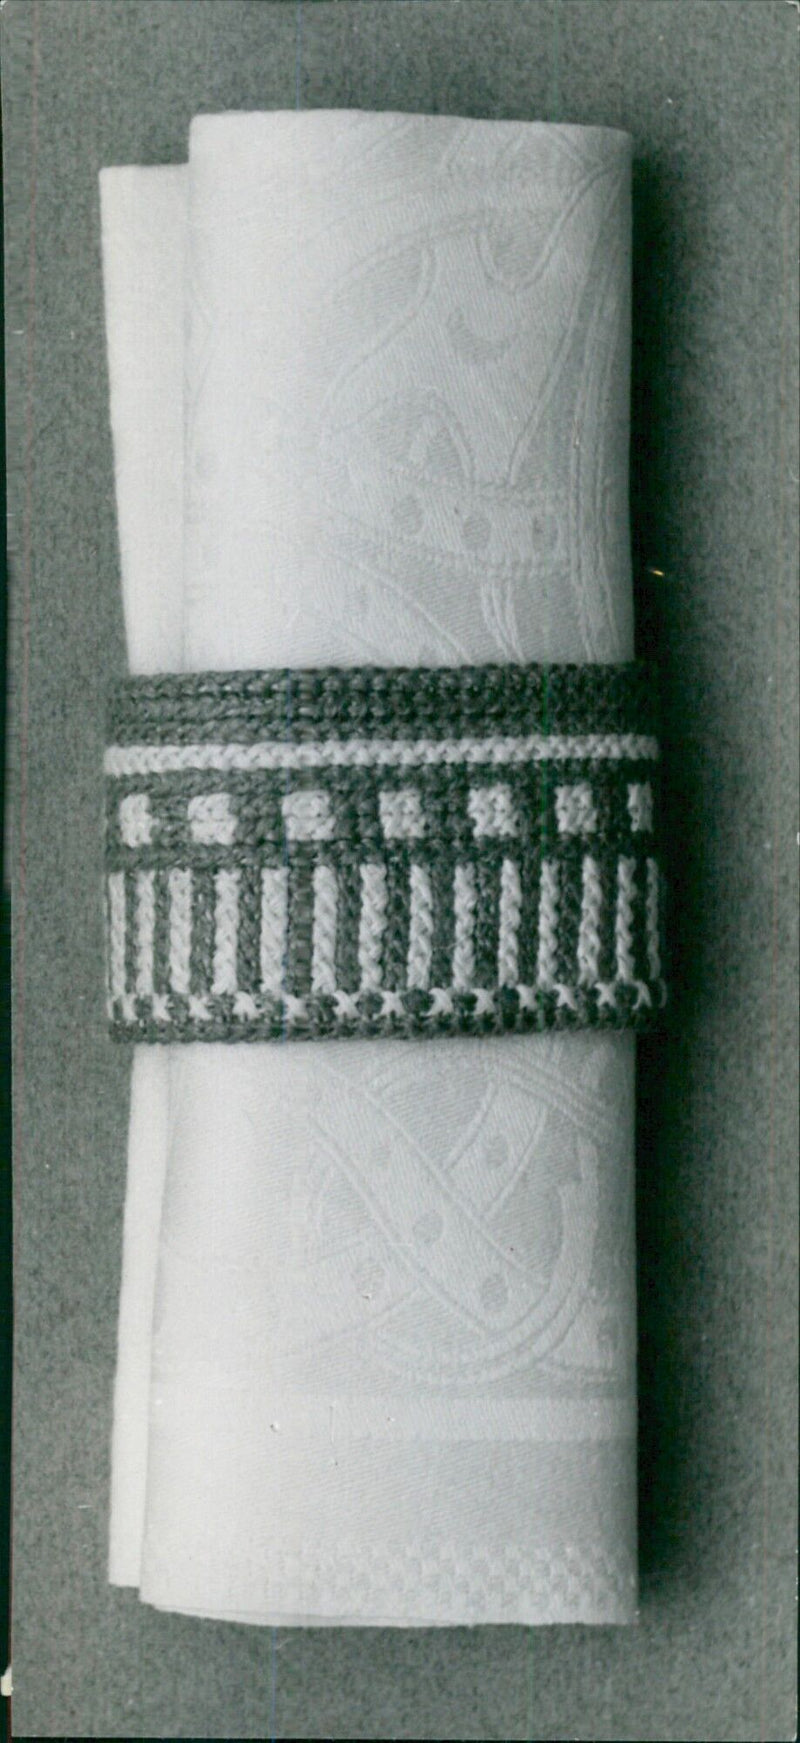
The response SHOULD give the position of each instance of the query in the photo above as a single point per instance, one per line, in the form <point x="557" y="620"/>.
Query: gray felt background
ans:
<point x="707" y="88"/>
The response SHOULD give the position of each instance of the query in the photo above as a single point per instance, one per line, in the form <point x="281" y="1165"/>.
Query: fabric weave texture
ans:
<point x="369" y="394"/>
<point x="366" y="851"/>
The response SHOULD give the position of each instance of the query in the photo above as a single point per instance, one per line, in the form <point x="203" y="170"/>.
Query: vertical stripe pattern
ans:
<point x="368" y="851"/>
<point x="272" y="947"/>
<point x="510" y="913"/>
<point x="626" y="892"/>
<point x="547" y="958"/>
<point x="591" y="916"/>
<point x="226" y="931"/>
<point x="371" y="926"/>
<point x="323" y="947"/>
<point x="180" y="930"/>
<point x="464" y="904"/>
<point x="116" y="933"/>
<point x="420" y="931"/>
<point x="145" y="932"/>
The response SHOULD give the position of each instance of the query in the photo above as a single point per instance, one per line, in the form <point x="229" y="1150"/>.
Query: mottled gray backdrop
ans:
<point x="707" y="88"/>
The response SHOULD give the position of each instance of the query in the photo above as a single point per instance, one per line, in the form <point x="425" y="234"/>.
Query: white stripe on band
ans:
<point x="180" y="930"/>
<point x="510" y="913"/>
<point x="171" y="759"/>
<point x="464" y="902"/>
<point x="420" y="928"/>
<point x="547" y="956"/>
<point x="626" y="895"/>
<point x="274" y="914"/>
<point x="116" y="933"/>
<point x="145" y="932"/>
<point x="371" y="925"/>
<point x="226" y="932"/>
<point x="323" y="941"/>
<point x="589" y="933"/>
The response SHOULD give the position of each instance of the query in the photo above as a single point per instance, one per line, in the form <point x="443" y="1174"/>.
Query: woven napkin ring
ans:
<point x="370" y="852"/>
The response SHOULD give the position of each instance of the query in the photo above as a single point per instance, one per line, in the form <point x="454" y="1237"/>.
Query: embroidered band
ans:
<point x="376" y="852"/>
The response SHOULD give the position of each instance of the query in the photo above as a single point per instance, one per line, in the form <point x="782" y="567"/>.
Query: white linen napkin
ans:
<point x="369" y="380"/>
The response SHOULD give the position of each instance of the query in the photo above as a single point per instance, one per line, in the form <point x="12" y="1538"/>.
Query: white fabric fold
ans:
<point x="369" y="379"/>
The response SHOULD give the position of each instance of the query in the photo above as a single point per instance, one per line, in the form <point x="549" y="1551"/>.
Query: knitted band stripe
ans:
<point x="368" y="852"/>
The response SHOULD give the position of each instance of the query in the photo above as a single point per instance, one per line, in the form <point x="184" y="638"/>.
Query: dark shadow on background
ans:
<point x="669" y="1432"/>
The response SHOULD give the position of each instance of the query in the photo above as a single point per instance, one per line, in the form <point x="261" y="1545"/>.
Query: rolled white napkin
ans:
<point x="369" y="381"/>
